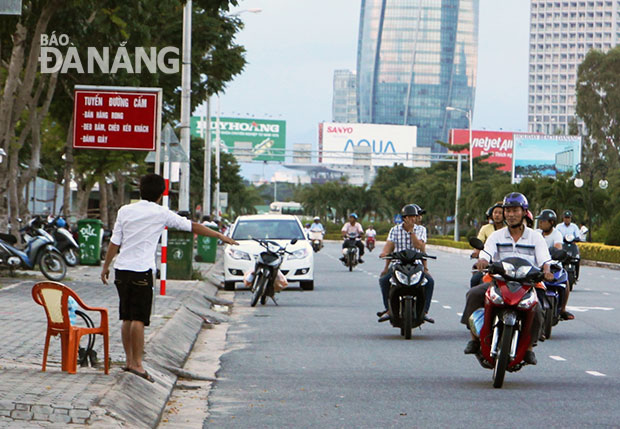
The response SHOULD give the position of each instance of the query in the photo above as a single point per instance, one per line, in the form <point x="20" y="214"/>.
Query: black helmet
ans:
<point x="489" y="212"/>
<point x="548" y="214"/>
<point x="515" y="199"/>
<point x="568" y="213"/>
<point x="410" y="210"/>
<point x="421" y="211"/>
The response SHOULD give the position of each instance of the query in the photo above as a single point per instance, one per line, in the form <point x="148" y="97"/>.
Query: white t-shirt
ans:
<point x="371" y="233"/>
<point x="530" y="246"/>
<point x="570" y="229"/>
<point x="553" y="238"/>
<point x="137" y="230"/>
<point x="357" y="228"/>
<point x="583" y="233"/>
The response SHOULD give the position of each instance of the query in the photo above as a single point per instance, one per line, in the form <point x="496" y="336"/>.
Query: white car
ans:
<point x="238" y="260"/>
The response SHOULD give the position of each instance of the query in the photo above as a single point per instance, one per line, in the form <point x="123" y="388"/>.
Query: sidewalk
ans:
<point x="32" y="398"/>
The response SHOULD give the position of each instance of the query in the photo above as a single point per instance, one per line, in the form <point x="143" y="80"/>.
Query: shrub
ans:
<point x="613" y="231"/>
<point x="599" y="252"/>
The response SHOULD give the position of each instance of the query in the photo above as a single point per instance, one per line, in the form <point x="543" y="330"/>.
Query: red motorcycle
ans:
<point x="505" y="334"/>
<point x="370" y="243"/>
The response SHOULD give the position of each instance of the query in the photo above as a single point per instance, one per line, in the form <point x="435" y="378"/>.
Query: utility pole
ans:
<point x="186" y="75"/>
<point x="206" y="178"/>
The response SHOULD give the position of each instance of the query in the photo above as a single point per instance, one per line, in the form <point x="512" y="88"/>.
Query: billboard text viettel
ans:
<point x="497" y="143"/>
<point x="256" y="139"/>
<point x="115" y="119"/>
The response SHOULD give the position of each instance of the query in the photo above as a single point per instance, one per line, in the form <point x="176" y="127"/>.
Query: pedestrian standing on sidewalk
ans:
<point x="136" y="232"/>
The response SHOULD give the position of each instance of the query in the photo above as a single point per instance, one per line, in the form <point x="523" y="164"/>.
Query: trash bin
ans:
<point x="207" y="248"/>
<point x="90" y="235"/>
<point x="180" y="255"/>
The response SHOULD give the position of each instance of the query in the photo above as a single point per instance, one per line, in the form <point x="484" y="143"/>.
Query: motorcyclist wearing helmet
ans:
<point x="370" y="232"/>
<point x="495" y="214"/>
<point x="546" y="222"/>
<point x="529" y="219"/>
<point x="317" y="227"/>
<point x="401" y="237"/>
<point x="307" y="230"/>
<point x="515" y="240"/>
<point x="567" y="226"/>
<point x="353" y="226"/>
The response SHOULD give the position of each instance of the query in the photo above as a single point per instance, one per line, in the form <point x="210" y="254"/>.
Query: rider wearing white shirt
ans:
<point x="370" y="232"/>
<point x="567" y="227"/>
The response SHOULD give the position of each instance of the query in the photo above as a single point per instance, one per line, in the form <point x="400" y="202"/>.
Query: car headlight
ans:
<point x="238" y="254"/>
<point x="495" y="296"/>
<point x="298" y="254"/>
<point x="528" y="300"/>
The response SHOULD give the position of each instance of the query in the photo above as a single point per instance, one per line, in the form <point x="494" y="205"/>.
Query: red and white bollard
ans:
<point x="164" y="236"/>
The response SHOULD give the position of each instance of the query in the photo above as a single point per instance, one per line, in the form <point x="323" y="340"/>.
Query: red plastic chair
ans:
<point x="54" y="298"/>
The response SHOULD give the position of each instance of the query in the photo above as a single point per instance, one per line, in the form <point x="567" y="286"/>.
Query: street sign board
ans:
<point x="267" y="137"/>
<point x="11" y="7"/>
<point x="115" y="118"/>
<point x="496" y="143"/>
<point x="223" y="200"/>
<point x="545" y="155"/>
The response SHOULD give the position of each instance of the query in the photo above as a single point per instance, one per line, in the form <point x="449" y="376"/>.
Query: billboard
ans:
<point x="387" y="144"/>
<point x="497" y="143"/>
<point x="115" y="118"/>
<point x="545" y="155"/>
<point x="248" y="139"/>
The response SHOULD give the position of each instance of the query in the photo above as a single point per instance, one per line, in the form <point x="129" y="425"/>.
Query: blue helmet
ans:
<point x="353" y="215"/>
<point x="61" y="223"/>
<point x="515" y="199"/>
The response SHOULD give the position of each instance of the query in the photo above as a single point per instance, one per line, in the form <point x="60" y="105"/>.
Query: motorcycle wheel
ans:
<point x="548" y="321"/>
<point x="263" y="300"/>
<point x="571" y="280"/>
<point x="501" y="363"/>
<point x="258" y="288"/>
<point x="350" y="262"/>
<point x="53" y="266"/>
<point x="71" y="257"/>
<point x="407" y="318"/>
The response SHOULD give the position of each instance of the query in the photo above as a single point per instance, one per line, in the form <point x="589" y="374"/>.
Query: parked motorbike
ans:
<point x="63" y="239"/>
<point x="350" y="251"/>
<point x="552" y="298"/>
<point x="266" y="270"/>
<point x="407" y="290"/>
<point x="571" y="263"/>
<point x="39" y="250"/>
<point x="508" y="315"/>
<point x="316" y="239"/>
<point x="370" y="243"/>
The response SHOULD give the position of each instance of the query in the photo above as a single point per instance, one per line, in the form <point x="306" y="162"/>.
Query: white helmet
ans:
<point x="317" y="218"/>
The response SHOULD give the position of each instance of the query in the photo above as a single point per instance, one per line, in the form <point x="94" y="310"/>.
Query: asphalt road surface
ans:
<point x="321" y="360"/>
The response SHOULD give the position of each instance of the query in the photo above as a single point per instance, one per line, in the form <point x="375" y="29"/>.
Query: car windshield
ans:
<point x="272" y="229"/>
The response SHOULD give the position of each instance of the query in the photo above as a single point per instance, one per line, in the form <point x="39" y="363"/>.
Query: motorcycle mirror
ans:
<point x="476" y="243"/>
<point x="293" y="241"/>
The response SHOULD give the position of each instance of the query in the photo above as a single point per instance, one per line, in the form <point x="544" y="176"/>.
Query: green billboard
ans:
<point x="248" y="139"/>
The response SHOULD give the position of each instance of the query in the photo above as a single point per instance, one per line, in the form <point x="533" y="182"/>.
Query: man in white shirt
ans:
<point x="353" y="227"/>
<point x="568" y="227"/>
<point x="136" y="232"/>
<point x="583" y="232"/>
<point x="515" y="240"/>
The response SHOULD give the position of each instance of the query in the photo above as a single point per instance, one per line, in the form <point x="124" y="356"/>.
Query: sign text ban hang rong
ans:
<point x="115" y="118"/>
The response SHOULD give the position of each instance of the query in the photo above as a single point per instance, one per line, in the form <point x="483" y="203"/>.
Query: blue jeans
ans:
<point x="384" y="283"/>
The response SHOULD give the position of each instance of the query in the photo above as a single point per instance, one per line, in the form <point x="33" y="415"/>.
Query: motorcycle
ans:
<point x="505" y="334"/>
<point x="370" y="243"/>
<point x="63" y="240"/>
<point x="266" y="271"/>
<point x="39" y="250"/>
<point x="407" y="292"/>
<point x="316" y="239"/>
<point x="552" y="298"/>
<point x="571" y="263"/>
<point x="350" y="251"/>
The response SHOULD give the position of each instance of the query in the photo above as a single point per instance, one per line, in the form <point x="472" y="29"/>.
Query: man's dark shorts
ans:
<point x="135" y="290"/>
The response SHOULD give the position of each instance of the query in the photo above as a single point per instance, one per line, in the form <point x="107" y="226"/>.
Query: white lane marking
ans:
<point x="606" y="293"/>
<point x="434" y="300"/>
<point x="588" y="289"/>
<point x="558" y="358"/>
<point x="584" y="309"/>
<point x="459" y="314"/>
<point x="447" y="307"/>
<point x="376" y="276"/>
<point x="596" y="373"/>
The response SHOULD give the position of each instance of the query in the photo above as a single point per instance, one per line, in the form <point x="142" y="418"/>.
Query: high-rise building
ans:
<point x="414" y="59"/>
<point x="344" y="104"/>
<point x="561" y="34"/>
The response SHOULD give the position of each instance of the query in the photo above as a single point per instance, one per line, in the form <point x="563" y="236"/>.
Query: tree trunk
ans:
<point x="103" y="202"/>
<point x="66" y="193"/>
<point x="84" y="187"/>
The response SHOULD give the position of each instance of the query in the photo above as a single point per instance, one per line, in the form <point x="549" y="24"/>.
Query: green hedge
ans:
<point x="599" y="252"/>
<point x="449" y="243"/>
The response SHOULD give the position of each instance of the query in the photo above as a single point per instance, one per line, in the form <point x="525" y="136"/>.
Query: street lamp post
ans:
<point x="458" y="196"/>
<point x="467" y="114"/>
<point x="589" y="170"/>
<point x="206" y="177"/>
<point x="186" y="75"/>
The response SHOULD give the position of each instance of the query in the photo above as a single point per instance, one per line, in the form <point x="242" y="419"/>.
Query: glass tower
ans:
<point x="414" y="59"/>
<point x="344" y="103"/>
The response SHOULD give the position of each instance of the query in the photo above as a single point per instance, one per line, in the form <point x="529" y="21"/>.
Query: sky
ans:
<point x="294" y="46"/>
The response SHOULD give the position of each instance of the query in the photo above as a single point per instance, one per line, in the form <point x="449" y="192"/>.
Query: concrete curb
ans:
<point x="135" y="402"/>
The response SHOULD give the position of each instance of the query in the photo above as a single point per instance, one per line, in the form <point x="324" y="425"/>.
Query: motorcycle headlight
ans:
<point x="509" y="269"/>
<point x="402" y="277"/>
<point x="528" y="300"/>
<point x="522" y="271"/>
<point x="495" y="296"/>
<point x="238" y="254"/>
<point x="298" y="254"/>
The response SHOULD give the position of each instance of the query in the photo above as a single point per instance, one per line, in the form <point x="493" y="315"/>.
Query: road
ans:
<point x="321" y="360"/>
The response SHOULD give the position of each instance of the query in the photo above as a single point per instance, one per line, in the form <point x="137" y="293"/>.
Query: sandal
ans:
<point x="565" y="315"/>
<point x="144" y="374"/>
